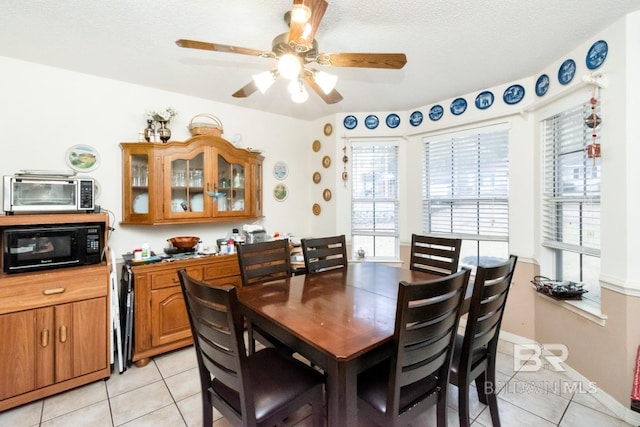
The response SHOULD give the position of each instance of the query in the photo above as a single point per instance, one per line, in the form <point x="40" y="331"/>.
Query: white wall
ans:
<point x="47" y="110"/>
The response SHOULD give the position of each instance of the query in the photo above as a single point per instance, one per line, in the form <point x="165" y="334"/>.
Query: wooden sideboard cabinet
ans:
<point x="54" y="324"/>
<point x="203" y="179"/>
<point x="161" y="323"/>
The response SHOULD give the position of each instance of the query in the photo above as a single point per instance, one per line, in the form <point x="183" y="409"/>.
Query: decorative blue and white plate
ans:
<point x="597" y="54"/>
<point x="416" y="118"/>
<point x="435" y="113"/>
<point x="350" y="122"/>
<point x="513" y="94"/>
<point x="542" y="85"/>
<point x="371" y="122"/>
<point x="393" y="120"/>
<point x="458" y="106"/>
<point x="484" y="100"/>
<point x="567" y="71"/>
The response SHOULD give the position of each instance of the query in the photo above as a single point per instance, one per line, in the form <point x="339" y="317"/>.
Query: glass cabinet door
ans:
<point x="186" y="185"/>
<point x="139" y="183"/>
<point x="230" y="195"/>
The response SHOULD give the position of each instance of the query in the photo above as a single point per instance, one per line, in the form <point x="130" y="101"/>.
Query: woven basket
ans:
<point x="205" y="128"/>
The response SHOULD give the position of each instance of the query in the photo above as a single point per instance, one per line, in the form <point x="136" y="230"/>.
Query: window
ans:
<point x="572" y="199"/>
<point x="466" y="193"/>
<point x="374" y="199"/>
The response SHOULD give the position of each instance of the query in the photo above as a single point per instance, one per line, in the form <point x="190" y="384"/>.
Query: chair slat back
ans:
<point x="264" y="261"/>
<point x="324" y="253"/>
<point x="427" y="319"/>
<point x="217" y="328"/>
<point x="488" y="301"/>
<point x="437" y="255"/>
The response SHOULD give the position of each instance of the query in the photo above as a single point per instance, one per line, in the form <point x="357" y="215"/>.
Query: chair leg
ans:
<point x="481" y="388"/>
<point x="251" y="340"/>
<point x="317" y="411"/>
<point x="441" y="411"/>
<point x="463" y="403"/>
<point x="492" y="395"/>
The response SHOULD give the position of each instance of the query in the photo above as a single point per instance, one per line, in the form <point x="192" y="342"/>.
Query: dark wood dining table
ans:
<point x="342" y="321"/>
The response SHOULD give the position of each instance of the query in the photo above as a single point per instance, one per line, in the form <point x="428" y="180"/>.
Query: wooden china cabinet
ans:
<point x="203" y="179"/>
<point x="54" y="324"/>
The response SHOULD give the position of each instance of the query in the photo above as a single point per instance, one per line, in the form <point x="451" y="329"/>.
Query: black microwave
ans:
<point x="55" y="246"/>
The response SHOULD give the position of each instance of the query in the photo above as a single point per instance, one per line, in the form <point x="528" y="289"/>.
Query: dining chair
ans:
<point x="436" y="255"/>
<point x="474" y="355"/>
<point x="259" y="263"/>
<point x="324" y="253"/>
<point x="261" y="389"/>
<point x="415" y="378"/>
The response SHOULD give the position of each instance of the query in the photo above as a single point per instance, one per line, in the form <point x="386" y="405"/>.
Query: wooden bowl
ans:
<point x="184" y="242"/>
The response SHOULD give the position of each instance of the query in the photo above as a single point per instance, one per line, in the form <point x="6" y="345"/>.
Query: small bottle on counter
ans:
<point x="137" y="254"/>
<point x="200" y="247"/>
<point x="146" y="251"/>
<point x="223" y="248"/>
<point x="231" y="246"/>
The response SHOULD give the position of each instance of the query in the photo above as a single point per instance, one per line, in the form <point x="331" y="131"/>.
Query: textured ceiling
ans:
<point x="452" y="46"/>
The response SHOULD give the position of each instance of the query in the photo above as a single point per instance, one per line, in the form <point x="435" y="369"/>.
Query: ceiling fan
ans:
<point x="297" y="48"/>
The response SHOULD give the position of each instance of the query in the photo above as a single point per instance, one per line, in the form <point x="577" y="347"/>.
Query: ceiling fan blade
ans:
<point x="193" y="44"/>
<point x="330" y="98"/>
<point x="393" y="61"/>
<point x="301" y="34"/>
<point x="246" y="90"/>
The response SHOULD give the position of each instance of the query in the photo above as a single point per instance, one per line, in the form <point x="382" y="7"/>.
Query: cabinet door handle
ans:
<point x="63" y="334"/>
<point x="53" y="291"/>
<point x="44" y="338"/>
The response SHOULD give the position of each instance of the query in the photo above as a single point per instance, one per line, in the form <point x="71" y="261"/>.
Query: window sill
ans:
<point x="588" y="309"/>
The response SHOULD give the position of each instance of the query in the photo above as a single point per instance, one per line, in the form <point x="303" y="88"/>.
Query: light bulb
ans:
<point x="298" y="92"/>
<point x="300" y="13"/>
<point x="289" y="66"/>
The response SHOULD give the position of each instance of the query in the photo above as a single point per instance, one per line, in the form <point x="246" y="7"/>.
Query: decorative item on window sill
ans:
<point x="345" y="160"/>
<point x="593" y="121"/>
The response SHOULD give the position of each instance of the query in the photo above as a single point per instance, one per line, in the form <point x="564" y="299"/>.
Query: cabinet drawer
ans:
<point x="20" y="293"/>
<point x="167" y="278"/>
<point x="222" y="268"/>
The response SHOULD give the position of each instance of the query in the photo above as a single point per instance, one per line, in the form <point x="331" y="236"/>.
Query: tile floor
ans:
<point x="166" y="392"/>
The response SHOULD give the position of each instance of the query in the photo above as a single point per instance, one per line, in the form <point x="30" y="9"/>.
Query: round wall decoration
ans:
<point x="326" y="194"/>
<point x="280" y="170"/>
<point x="328" y="129"/>
<point x="458" y="106"/>
<point x="597" y="54"/>
<point x="82" y="158"/>
<point x="316" y="145"/>
<point x="566" y="71"/>
<point x="317" y="177"/>
<point x="542" y="85"/>
<point x="350" y="122"/>
<point x="280" y="192"/>
<point x="316" y="209"/>
<point x="326" y="161"/>
<point x="436" y="112"/>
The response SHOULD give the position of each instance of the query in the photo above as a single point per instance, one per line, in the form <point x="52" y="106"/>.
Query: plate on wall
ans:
<point x="484" y="100"/>
<point x="350" y="122"/>
<point x="316" y="145"/>
<point x="393" y="120"/>
<point x="280" y="192"/>
<point x="327" y="129"/>
<point x="326" y="161"/>
<point x="326" y="194"/>
<point x="316" y="209"/>
<point x="317" y="177"/>
<point x="280" y="170"/>
<point x="371" y="121"/>
<point x="542" y="85"/>
<point x="436" y="112"/>
<point x="597" y="54"/>
<point x="82" y="158"/>
<point x="513" y="94"/>
<point x="567" y="71"/>
<point x="415" y="118"/>
<point x="458" y="106"/>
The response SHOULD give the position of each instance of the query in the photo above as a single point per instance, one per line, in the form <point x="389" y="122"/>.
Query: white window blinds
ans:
<point x="572" y="184"/>
<point x="466" y="186"/>
<point x="374" y="199"/>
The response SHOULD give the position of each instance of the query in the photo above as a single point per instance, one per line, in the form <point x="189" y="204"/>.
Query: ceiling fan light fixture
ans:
<point x="300" y="13"/>
<point x="298" y="92"/>
<point x="264" y="80"/>
<point x="289" y="66"/>
<point x="326" y="81"/>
